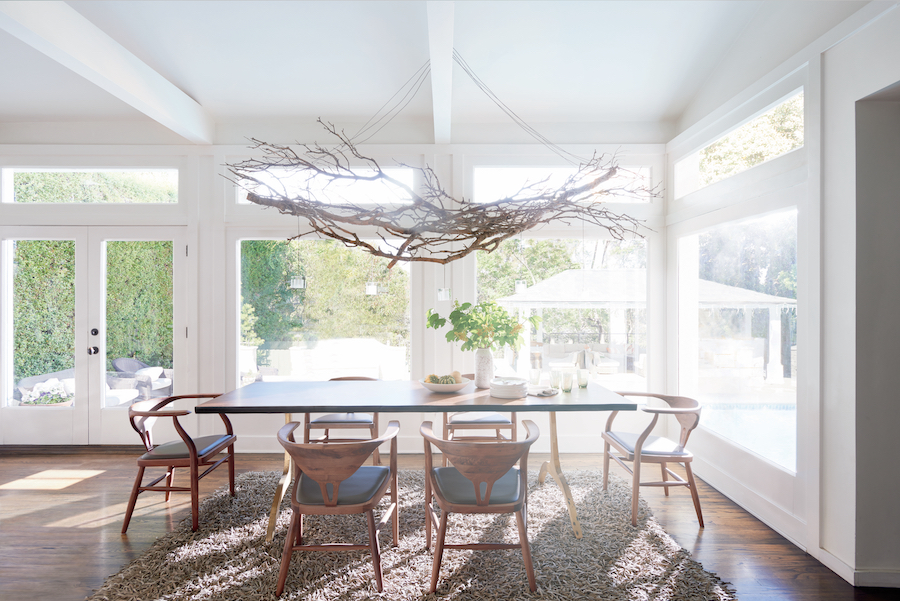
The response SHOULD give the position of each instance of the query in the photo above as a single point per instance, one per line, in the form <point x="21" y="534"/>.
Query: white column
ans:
<point x="774" y="369"/>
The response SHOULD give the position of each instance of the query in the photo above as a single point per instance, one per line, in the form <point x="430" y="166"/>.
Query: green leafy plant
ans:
<point x="485" y="325"/>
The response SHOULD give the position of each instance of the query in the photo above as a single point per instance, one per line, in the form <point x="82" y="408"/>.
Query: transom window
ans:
<point x="89" y="186"/>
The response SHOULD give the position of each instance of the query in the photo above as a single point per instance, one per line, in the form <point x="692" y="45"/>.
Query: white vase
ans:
<point x="484" y="368"/>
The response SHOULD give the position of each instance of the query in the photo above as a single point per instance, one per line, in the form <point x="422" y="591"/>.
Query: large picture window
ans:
<point x="315" y="310"/>
<point x="737" y="331"/>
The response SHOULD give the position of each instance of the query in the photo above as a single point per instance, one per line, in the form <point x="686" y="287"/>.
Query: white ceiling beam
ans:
<point x="59" y="31"/>
<point x="440" y="47"/>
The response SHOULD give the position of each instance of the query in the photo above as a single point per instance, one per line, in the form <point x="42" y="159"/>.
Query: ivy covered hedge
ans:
<point x="138" y="304"/>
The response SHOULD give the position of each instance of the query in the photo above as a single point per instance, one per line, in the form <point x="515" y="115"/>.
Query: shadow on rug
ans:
<point x="228" y="558"/>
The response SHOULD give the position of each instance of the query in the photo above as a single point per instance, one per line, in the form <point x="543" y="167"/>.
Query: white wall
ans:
<point x="851" y="506"/>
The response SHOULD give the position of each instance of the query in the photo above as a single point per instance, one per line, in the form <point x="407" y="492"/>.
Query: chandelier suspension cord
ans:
<point x="412" y="87"/>
<point x="565" y="154"/>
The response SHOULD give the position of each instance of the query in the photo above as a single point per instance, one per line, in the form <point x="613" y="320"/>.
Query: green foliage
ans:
<point x="772" y="134"/>
<point x="96" y="186"/>
<point x="266" y="266"/>
<point x="248" y="323"/>
<point x="43" y="307"/>
<point x="334" y="304"/>
<point x="530" y="260"/>
<point x="760" y="255"/>
<point x="139" y="302"/>
<point x="139" y="309"/>
<point x="485" y="325"/>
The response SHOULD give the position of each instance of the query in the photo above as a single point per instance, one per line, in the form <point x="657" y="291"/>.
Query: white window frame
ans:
<point x="783" y="499"/>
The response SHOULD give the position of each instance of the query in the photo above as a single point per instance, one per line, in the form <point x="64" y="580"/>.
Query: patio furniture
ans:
<point x="482" y="478"/>
<point x="645" y="448"/>
<point x="191" y="453"/>
<point x="343" y="421"/>
<point x="330" y="479"/>
<point x="153" y="381"/>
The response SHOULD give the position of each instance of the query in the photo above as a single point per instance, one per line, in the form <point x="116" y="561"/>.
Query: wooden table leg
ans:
<point x="280" y="489"/>
<point x="553" y="468"/>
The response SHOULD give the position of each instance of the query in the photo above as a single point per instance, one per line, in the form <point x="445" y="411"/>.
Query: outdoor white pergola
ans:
<point x="620" y="289"/>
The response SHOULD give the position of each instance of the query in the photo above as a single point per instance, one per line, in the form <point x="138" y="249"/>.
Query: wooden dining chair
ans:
<point x="343" y="421"/>
<point x="646" y="448"/>
<point x="190" y="453"/>
<point x="330" y="479"/>
<point x="481" y="421"/>
<point x="482" y="478"/>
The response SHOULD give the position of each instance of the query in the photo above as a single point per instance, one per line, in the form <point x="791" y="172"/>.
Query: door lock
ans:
<point x="93" y="350"/>
<point x="94" y="331"/>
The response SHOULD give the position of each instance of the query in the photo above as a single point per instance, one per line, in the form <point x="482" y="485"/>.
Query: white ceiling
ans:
<point x="209" y="69"/>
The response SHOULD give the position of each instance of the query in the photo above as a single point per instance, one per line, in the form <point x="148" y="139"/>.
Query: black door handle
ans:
<point x="93" y="350"/>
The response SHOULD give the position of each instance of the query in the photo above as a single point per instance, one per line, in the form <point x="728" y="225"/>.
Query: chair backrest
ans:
<point x="331" y="463"/>
<point x="687" y="411"/>
<point x="128" y="365"/>
<point x="482" y="462"/>
<point x="143" y="423"/>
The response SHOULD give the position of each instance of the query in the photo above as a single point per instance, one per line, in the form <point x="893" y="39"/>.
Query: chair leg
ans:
<point x="231" y="470"/>
<point x="428" y="513"/>
<point x="694" y="494"/>
<point x="446" y="417"/>
<point x="635" y="485"/>
<point x="286" y="554"/>
<point x="665" y="477"/>
<point x="376" y="553"/>
<point x="376" y="456"/>
<point x="195" y="498"/>
<point x="135" y="491"/>
<point x="438" y="552"/>
<point x="526" y="549"/>
<point x="605" y="464"/>
<point x="170" y="478"/>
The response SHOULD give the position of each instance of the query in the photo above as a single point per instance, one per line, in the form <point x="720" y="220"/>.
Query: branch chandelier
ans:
<point x="428" y="224"/>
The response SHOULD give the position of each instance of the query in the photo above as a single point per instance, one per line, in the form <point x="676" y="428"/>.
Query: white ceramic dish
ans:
<point x="446" y="387"/>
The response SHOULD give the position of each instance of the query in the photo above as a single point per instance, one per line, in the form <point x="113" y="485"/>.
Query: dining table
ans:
<point x="410" y="396"/>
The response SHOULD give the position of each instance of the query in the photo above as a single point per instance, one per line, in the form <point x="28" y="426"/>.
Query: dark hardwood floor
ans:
<point x="61" y="513"/>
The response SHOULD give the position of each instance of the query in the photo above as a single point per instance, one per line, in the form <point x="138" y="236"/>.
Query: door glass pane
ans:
<point x="737" y="332"/>
<point x="139" y="321"/>
<point x="315" y="310"/>
<point x="43" y="322"/>
<point x="591" y="296"/>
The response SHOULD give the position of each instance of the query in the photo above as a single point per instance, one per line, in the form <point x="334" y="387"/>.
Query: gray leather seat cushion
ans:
<point x="178" y="450"/>
<point x="479" y="417"/>
<point x="358" y="488"/>
<point x="654" y="445"/>
<point x="456" y="488"/>
<point x="344" y="418"/>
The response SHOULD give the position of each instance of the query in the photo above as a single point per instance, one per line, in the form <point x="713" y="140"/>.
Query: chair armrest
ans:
<point x="166" y="413"/>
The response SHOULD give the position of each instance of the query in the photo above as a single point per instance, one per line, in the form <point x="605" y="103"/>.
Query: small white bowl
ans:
<point x="446" y="387"/>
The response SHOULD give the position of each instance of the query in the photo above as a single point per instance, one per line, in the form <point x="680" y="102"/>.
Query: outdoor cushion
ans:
<point x="358" y="488"/>
<point x="175" y="450"/>
<point x="456" y="488"/>
<point x="151" y="372"/>
<point x="654" y="445"/>
<point x="344" y="418"/>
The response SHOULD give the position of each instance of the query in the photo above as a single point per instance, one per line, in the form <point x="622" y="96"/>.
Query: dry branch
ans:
<point x="429" y="223"/>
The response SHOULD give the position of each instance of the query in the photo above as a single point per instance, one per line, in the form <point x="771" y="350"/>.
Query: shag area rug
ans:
<point x="228" y="558"/>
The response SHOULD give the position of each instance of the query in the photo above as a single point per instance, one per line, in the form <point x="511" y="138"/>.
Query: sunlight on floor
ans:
<point x="51" y="480"/>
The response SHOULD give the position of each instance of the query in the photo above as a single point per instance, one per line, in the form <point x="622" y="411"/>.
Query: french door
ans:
<point x="88" y="324"/>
